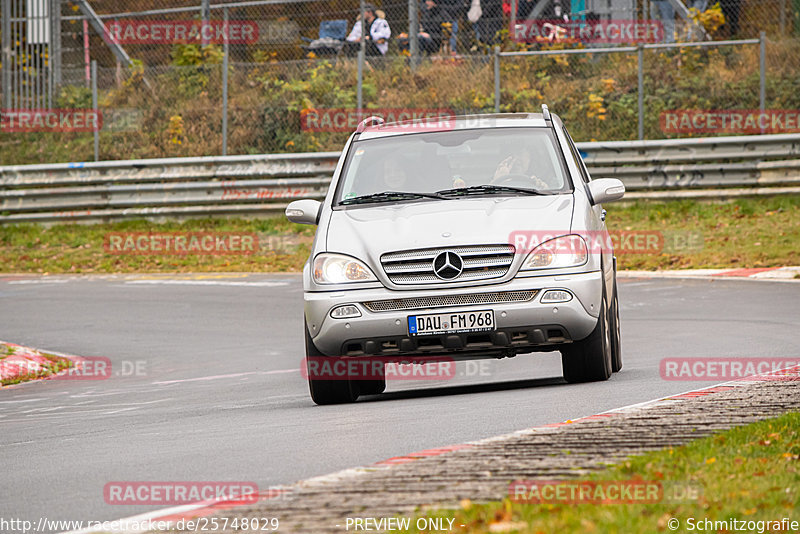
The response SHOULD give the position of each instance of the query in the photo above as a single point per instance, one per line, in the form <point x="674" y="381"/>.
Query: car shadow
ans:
<point x="463" y="389"/>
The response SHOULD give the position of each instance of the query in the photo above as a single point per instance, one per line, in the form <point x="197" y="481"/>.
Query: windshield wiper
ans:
<point x="389" y="196"/>
<point x="487" y="189"/>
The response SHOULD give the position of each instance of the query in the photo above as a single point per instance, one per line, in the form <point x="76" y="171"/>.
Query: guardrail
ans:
<point x="257" y="185"/>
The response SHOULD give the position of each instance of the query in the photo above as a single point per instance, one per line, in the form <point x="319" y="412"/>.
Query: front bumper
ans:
<point x="522" y="326"/>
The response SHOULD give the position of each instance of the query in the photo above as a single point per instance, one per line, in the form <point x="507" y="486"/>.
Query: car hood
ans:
<point x="369" y="232"/>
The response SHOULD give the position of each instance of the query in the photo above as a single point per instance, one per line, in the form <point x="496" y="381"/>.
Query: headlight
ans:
<point x="339" y="269"/>
<point x="564" y="251"/>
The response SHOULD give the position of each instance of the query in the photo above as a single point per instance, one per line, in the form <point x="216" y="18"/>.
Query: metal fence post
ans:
<point x="640" y="67"/>
<point x="54" y="49"/>
<point x="225" y="60"/>
<point x="6" y="56"/>
<point x="413" y="32"/>
<point x="513" y="22"/>
<point x="783" y="18"/>
<point x="94" y="108"/>
<point x="497" y="79"/>
<point x="762" y="71"/>
<point x="205" y="15"/>
<point x="362" y="50"/>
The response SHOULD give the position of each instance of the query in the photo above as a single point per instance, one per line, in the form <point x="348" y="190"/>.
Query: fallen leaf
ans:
<point x="507" y="526"/>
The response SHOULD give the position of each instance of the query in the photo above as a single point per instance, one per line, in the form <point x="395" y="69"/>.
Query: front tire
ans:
<point x="326" y="391"/>
<point x="589" y="360"/>
<point x="616" y="350"/>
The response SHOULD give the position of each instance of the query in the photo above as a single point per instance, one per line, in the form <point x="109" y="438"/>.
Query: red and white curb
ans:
<point x="26" y="360"/>
<point x="172" y="515"/>
<point x="772" y="274"/>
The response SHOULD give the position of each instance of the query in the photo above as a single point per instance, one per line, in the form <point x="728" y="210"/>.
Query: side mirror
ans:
<point x="303" y="211"/>
<point x="606" y="190"/>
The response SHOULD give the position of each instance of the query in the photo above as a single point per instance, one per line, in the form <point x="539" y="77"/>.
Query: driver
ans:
<point x="518" y="167"/>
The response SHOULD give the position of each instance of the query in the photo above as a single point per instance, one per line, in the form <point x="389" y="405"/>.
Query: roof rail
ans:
<point x="546" y="113"/>
<point x="369" y="121"/>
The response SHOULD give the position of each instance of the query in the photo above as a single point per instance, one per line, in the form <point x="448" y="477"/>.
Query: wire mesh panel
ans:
<point x="696" y="92"/>
<point x="27" y="38"/>
<point x="595" y="94"/>
<point x="204" y="77"/>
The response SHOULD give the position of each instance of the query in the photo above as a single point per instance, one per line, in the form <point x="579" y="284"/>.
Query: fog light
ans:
<point x="556" y="295"/>
<point x="343" y="312"/>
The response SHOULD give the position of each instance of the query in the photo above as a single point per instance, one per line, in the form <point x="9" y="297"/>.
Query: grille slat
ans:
<point x="412" y="303"/>
<point x="463" y="251"/>
<point x="469" y="263"/>
<point x="481" y="262"/>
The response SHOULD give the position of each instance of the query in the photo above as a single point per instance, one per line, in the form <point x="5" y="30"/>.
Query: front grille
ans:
<point x="481" y="262"/>
<point x="413" y="303"/>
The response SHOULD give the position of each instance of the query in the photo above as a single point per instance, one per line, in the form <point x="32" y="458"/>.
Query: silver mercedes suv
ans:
<point x="473" y="237"/>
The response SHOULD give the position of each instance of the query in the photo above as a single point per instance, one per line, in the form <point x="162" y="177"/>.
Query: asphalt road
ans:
<point x="219" y="396"/>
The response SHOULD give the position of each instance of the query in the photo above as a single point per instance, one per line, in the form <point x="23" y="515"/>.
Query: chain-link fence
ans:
<point x="190" y="77"/>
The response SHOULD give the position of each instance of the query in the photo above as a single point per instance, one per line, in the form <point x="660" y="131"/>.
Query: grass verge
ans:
<point x="746" y="232"/>
<point x="749" y="473"/>
<point x="279" y="246"/>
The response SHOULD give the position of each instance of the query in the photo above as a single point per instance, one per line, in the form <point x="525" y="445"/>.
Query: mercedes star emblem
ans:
<point x="448" y="265"/>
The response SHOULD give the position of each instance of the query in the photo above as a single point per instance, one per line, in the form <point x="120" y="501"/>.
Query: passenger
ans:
<point x="394" y="175"/>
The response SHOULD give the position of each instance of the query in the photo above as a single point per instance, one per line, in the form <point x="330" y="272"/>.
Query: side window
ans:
<point x="578" y="159"/>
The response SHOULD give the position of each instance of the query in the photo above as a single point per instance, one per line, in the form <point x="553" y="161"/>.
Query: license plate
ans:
<point x="450" y="323"/>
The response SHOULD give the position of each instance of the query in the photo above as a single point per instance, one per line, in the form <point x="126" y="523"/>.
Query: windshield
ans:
<point x="445" y="165"/>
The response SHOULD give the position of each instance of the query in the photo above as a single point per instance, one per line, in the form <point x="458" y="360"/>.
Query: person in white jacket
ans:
<point x="378" y="33"/>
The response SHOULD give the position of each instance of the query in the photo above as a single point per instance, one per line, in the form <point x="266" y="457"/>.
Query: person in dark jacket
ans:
<point x="452" y="11"/>
<point x="731" y="9"/>
<point x="490" y="24"/>
<point x="429" y="37"/>
<point x="430" y="21"/>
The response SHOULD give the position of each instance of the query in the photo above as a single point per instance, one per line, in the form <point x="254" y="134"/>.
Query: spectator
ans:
<point x="666" y="12"/>
<point x="430" y="29"/>
<point x="452" y="10"/>
<point x="525" y="9"/>
<point x="731" y="9"/>
<point x="700" y="6"/>
<point x="552" y="11"/>
<point x="378" y="33"/>
<point x="490" y="22"/>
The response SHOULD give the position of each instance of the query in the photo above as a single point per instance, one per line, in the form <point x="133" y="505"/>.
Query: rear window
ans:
<point x="435" y="161"/>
